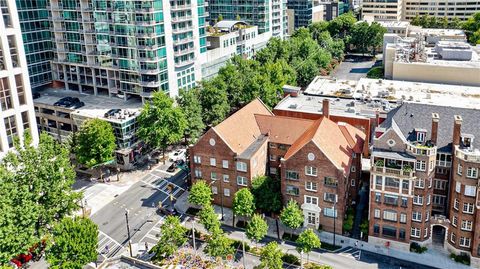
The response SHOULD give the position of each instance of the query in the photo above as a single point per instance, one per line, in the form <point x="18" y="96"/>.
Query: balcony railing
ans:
<point x="419" y="149"/>
<point x="467" y="155"/>
<point x="407" y="173"/>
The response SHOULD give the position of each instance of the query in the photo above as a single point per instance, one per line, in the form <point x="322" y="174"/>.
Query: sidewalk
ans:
<point x="430" y="258"/>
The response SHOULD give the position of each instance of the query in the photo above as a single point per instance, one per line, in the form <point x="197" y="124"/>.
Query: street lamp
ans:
<point x="334" y="219"/>
<point x="128" y="233"/>
<point x="221" y="197"/>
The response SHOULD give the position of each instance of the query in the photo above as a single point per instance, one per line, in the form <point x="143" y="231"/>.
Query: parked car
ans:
<point x="178" y="154"/>
<point x="63" y="100"/>
<point x="67" y="101"/>
<point x="172" y="168"/>
<point x="77" y="105"/>
<point x="167" y="210"/>
<point x="111" y="112"/>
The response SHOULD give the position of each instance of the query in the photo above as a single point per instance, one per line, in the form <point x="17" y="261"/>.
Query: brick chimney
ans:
<point x="456" y="130"/>
<point x="326" y="108"/>
<point x="434" y="134"/>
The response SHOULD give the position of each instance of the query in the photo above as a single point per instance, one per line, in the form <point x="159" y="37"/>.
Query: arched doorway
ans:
<point x="438" y="235"/>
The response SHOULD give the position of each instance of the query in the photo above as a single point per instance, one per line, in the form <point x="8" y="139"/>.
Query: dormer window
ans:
<point x="466" y="140"/>
<point x="421" y="136"/>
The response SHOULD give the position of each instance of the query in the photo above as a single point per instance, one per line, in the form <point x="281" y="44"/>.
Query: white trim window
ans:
<point x="225" y="164"/>
<point x="242" y="181"/>
<point x="420" y="183"/>
<point x="456" y="204"/>
<point x="311" y="186"/>
<point x="311" y="200"/>
<point x="431" y="165"/>
<point x="389" y="215"/>
<point x="213" y="175"/>
<point x="472" y="172"/>
<point x="467" y="225"/>
<point x="329" y="212"/>
<point x="458" y="187"/>
<point x="421" y="165"/>
<point x="330" y="197"/>
<point x="459" y="169"/>
<point x="417" y="216"/>
<point x="427" y="216"/>
<point x="198" y="173"/>
<point x="226" y="192"/>
<point x="272" y="158"/>
<point x="439" y="199"/>
<point x="352" y="183"/>
<point x="214" y="190"/>
<point x="213" y="162"/>
<point x="197" y="159"/>
<point x="467" y="208"/>
<point x="415" y="232"/>
<point x="403" y="218"/>
<point x="273" y="170"/>
<point x="464" y="242"/>
<point x="242" y="166"/>
<point x="454" y="221"/>
<point x="352" y="169"/>
<point x="226" y="178"/>
<point x="425" y="233"/>
<point x="292" y="190"/>
<point x="291" y="175"/>
<point x="376" y="213"/>
<point x="470" y="191"/>
<point x="310" y="171"/>
<point x="429" y="199"/>
<point x="453" y="238"/>
<point x="418" y="200"/>
<point x="440" y="184"/>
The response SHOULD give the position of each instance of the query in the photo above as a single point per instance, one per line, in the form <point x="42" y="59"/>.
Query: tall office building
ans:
<point x="128" y="48"/>
<point x="37" y="38"/>
<point x="16" y="104"/>
<point x="268" y="15"/>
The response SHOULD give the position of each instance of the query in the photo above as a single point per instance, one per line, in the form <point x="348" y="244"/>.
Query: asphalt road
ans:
<point x="354" y="67"/>
<point x="141" y="200"/>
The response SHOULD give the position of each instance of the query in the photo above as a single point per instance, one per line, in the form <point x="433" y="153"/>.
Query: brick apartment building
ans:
<point x="424" y="179"/>
<point x="317" y="161"/>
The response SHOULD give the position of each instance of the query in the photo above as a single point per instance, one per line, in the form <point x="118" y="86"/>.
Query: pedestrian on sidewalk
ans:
<point x="146" y="246"/>
<point x="106" y="249"/>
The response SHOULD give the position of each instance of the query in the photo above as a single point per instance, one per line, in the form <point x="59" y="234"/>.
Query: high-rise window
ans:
<point x="5" y="94"/>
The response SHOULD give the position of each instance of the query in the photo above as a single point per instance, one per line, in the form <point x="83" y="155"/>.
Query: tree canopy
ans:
<point x="218" y="245"/>
<point x="243" y="203"/>
<point x="73" y="243"/>
<point x="257" y="228"/>
<point x="472" y="28"/>
<point x="95" y="142"/>
<point x="426" y="21"/>
<point x="35" y="193"/>
<point x="271" y="257"/>
<point x="307" y="241"/>
<point x="267" y="193"/>
<point x="292" y="215"/>
<point x="161" y="123"/>
<point x="173" y="235"/>
<point x="367" y="37"/>
<point x="189" y="102"/>
<point x="200" y="194"/>
<point x="208" y="218"/>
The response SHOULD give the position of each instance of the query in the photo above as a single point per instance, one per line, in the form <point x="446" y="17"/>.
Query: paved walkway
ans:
<point x="363" y="201"/>
<point x="430" y="258"/>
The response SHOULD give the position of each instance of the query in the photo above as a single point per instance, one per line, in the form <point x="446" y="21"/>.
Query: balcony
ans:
<point x="421" y="149"/>
<point x="180" y="7"/>
<point x="182" y="29"/>
<point x="144" y="70"/>
<point x="183" y="18"/>
<point x="396" y="172"/>
<point x="184" y="63"/>
<point x="150" y="83"/>
<point x="468" y="155"/>
<point x="185" y="51"/>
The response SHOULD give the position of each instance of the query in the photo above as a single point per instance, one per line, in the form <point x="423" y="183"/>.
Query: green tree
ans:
<point x="267" y="193"/>
<point x="208" y="218"/>
<point x="95" y="143"/>
<point x="424" y="21"/>
<point x="35" y="193"/>
<point x="74" y="243"/>
<point x="271" y="257"/>
<point x="292" y="215"/>
<point x="200" y="194"/>
<point x="218" y="245"/>
<point x="243" y="203"/>
<point x="415" y="21"/>
<point x="472" y="28"/>
<point x="367" y="37"/>
<point x="189" y="102"/>
<point x="307" y="241"/>
<point x="161" y="123"/>
<point x="257" y="228"/>
<point x="341" y="25"/>
<point x="456" y="23"/>
<point x="317" y="29"/>
<point x="220" y="18"/>
<point x="444" y="23"/>
<point x="376" y="36"/>
<point x="173" y="235"/>
<point x="432" y="22"/>
<point x="213" y="97"/>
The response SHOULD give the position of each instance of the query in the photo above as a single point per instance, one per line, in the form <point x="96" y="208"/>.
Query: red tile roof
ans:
<point x="282" y="130"/>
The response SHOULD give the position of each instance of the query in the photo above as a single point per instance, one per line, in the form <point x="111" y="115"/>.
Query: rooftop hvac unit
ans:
<point x="293" y="106"/>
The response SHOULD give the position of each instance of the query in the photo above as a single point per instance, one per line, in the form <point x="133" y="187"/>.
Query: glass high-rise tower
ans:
<point x="127" y="48"/>
<point x="37" y="38"/>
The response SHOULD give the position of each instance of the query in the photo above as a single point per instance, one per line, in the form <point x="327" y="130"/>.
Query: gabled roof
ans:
<point x="336" y="141"/>
<point x="283" y="130"/>
<point x="240" y="130"/>
<point x="410" y="116"/>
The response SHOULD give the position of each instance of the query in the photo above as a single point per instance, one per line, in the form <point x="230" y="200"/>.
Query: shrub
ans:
<point x="415" y="247"/>
<point x="237" y="244"/>
<point x="462" y="258"/>
<point x="317" y="266"/>
<point x="375" y="72"/>
<point x="290" y="259"/>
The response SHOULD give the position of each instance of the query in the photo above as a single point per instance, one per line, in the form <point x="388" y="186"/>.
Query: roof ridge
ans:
<point x="306" y="137"/>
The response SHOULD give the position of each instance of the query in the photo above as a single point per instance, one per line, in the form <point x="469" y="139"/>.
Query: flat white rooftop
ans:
<point x="95" y="106"/>
<point x="395" y="90"/>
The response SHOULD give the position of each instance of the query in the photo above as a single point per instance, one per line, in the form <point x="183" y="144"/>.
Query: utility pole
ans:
<point x="301" y="259"/>
<point x="244" y="253"/>
<point x="128" y="233"/>
<point x="334" y="219"/>
<point x="221" y="196"/>
<point x="193" y="233"/>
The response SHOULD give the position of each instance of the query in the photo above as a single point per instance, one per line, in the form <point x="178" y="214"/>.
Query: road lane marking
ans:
<point x="169" y="182"/>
